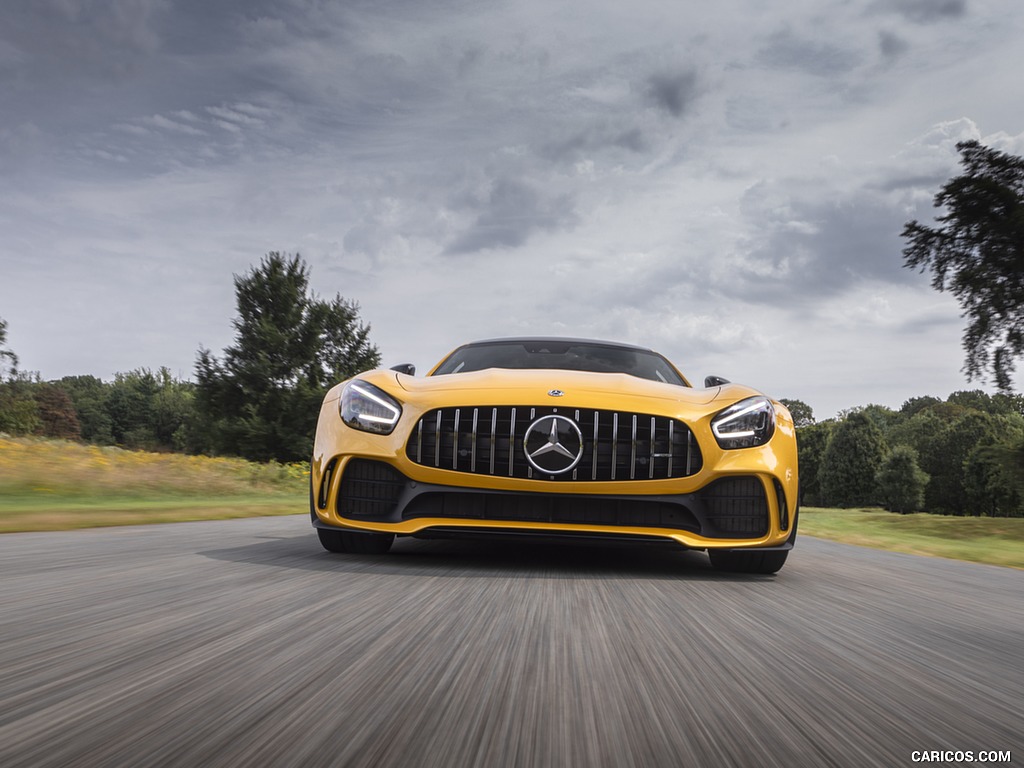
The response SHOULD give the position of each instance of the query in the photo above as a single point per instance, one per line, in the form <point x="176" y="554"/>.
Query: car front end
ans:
<point x="557" y="453"/>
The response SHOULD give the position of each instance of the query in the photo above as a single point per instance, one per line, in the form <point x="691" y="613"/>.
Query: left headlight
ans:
<point x="746" y="424"/>
<point x="369" y="408"/>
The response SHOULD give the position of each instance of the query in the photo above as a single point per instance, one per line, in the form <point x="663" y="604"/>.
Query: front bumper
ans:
<point x="735" y="511"/>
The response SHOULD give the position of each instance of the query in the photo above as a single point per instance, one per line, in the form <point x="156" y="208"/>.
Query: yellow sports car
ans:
<point x="556" y="437"/>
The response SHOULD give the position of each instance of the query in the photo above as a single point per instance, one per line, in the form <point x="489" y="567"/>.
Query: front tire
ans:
<point x="355" y="543"/>
<point x="748" y="562"/>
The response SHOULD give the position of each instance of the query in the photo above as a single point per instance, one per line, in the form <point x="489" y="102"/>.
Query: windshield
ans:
<point x="560" y="355"/>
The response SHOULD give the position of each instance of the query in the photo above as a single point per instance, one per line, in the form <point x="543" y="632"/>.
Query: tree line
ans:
<point x="260" y="400"/>
<point x="958" y="456"/>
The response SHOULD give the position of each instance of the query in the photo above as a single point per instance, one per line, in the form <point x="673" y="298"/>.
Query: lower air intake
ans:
<point x="369" y="489"/>
<point x="736" y="506"/>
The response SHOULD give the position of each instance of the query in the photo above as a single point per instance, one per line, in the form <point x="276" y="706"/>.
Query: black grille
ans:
<point x="736" y="505"/>
<point x="617" y="445"/>
<point x="732" y="507"/>
<point x="369" y="489"/>
<point x="533" y="508"/>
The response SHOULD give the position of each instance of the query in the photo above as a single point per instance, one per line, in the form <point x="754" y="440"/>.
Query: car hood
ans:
<point x="500" y="385"/>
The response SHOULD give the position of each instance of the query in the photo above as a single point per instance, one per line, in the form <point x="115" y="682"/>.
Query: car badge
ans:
<point x="553" y="444"/>
<point x="555" y="392"/>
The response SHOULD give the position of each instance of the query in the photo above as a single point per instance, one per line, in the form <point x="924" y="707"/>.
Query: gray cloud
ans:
<point x="925" y="11"/>
<point x="811" y="249"/>
<point x="928" y="321"/>
<point x="892" y="45"/>
<point x="674" y="93"/>
<point x="911" y="182"/>
<point x="786" y="50"/>
<point x="513" y="212"/>
<point x="72" y="38"/>
<point x="204" y="27"/>
<point x="597" y="139"/>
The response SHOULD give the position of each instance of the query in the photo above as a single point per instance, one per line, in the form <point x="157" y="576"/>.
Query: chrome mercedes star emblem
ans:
<point x="553" y="444"/>
<point x="555" y="392"/>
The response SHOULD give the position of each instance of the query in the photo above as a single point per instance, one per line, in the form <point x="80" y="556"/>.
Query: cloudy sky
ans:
<point x="725" y="182"/>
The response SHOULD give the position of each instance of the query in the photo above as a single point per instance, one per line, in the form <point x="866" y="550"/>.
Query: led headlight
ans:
<point x="369" y="408"/>
<point x="745" y="424"/>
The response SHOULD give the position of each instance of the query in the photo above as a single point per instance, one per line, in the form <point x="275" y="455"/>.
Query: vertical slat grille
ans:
<point x="616" y="445"/>
<point x="494" y="435"/>
<point x="650" y="463"/>
<point x="511" y="441"/>
<point x="472" y="465"/>
<point x="437" y="440"/>
<point x="455" y="442"/>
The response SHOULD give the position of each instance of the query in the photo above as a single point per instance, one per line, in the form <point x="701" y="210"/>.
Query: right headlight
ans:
<point x="746" y="424"/>
<point x="369" y="408"/>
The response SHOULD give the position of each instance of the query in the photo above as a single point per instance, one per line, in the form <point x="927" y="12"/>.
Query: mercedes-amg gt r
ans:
<point x="556" y="437"/>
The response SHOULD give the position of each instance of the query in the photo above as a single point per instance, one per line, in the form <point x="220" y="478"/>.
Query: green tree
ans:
<point x="851" y="462"/>
<point x="8" y="360"/>
<point x="989" y="485"/>
<point x="138" y="409"/>
<point x="1008" y="402"/>
<point x="977" y="253"/>
<point x="57" y="416"/>
<point x="89" y="396"/>
<point x="883" y="417"/>
<point x="945" y="457"/>
<point x="993" y="470"/>
<point x="290" y="347"/>
<point x="129" y="404"/>
<point x="1011" y="461"/>
<point x="802" y="413"/>
<point x="173" y="413"/>
<point x="920" y="432"/>
<point x="19" y="414"/>
<point x="901" y="482"/>
<point x="974" y="398"/>
<point x="811" y="444"/>
<point x="915" y="405"/>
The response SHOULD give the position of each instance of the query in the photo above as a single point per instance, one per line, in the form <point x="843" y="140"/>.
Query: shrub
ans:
<point x="901" y="482"/>
<point x="851" y="461"/>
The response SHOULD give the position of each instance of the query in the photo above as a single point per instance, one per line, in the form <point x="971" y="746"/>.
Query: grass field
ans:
<point x="50" y="485"/>
<point x="993" y="540"/>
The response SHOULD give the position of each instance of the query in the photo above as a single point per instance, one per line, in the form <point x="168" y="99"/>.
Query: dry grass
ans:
<point x="41" y="516"/>
<point x="31" y="466"/>
<point x="48" y="485"/>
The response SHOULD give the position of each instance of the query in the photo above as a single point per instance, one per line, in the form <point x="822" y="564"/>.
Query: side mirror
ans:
<point x="715" y="381"/>
<point x="407" y="368"/>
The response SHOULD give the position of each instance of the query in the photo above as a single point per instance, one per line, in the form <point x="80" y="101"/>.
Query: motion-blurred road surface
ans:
<point x="243" y="643"/>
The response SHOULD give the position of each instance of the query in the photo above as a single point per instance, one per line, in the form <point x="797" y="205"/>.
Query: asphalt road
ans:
<point x="243" y="643"/>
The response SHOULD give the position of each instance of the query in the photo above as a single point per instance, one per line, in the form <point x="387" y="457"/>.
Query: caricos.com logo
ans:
<point x="959" y="756"/>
